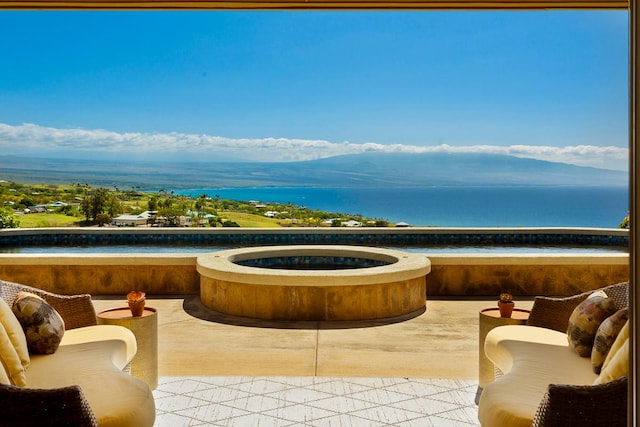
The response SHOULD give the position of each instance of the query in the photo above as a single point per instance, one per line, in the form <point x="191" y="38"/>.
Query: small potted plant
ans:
<point x="506" y="304"/>
<point x="136" y="300"/>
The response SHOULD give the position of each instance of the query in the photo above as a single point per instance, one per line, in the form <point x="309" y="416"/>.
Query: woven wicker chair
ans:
<point x="554" y="313"/>
<point x="62" y="407"/>
<point x="76" y="310"/>
<point x="570" y="405"/>
<point x="65" y="406"/>
<point x="602" y="405"/>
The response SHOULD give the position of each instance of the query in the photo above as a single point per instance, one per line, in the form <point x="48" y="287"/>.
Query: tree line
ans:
<point x="99" y="206"/>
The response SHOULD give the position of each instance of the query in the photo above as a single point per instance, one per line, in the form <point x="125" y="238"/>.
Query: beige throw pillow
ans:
<point x="618" y="366"/>
<point x="585" y="320"/>
<point x="14" y="330"/>
<point x="43" y="326"/>
<point x="4" y="377"/>
<point x="606" y="336"/>
<point x="616" y="363"/>
<point x="11" y="361"/>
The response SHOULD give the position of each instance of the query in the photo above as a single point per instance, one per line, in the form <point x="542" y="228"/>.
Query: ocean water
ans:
<point x="467" y="206"/>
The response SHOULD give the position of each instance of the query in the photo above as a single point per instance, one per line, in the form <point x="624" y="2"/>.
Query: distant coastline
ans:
<point x="454" y="206"/>
<point x="461" y="190"/>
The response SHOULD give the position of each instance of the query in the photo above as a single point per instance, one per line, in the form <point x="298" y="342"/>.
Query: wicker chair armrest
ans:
<point x="554" y="313"/>
<point x="593" y="405"/>
<point x="24" y="407"/>
<point x="76" y="310"/>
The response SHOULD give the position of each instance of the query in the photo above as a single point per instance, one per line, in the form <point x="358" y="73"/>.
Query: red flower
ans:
<point x="135" y="296"/>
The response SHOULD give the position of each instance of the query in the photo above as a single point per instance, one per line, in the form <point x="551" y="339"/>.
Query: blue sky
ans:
<point x="280" y="86"/>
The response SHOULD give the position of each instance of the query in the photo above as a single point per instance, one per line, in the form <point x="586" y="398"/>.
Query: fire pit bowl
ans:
<point x="319" y="282"/>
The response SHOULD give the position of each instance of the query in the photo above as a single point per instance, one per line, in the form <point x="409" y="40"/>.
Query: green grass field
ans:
<point x="59" y="220"/>
<point x="47" y="220"/>
<point x="249" y="220"/>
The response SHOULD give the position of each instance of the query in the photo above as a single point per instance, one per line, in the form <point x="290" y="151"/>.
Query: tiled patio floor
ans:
<point x="314" y="401"/>
<point x="220" y="371"/>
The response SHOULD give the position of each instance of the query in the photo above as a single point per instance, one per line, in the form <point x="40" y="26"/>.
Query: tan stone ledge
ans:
<point x="98" y="259"/>
<point x="529" y="259"/>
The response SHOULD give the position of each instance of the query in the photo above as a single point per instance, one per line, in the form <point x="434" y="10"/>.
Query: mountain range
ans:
<point x="356" y="170"/>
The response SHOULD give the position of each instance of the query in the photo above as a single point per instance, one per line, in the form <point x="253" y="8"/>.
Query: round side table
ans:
<point x="145" y="328"/>
<point x="489" y="319"/>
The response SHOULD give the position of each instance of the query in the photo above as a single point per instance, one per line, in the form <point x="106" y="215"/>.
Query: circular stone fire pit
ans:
<point x="313" y="282"/>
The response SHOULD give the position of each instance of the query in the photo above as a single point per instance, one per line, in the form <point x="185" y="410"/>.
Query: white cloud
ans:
<point x="31" y="138"/>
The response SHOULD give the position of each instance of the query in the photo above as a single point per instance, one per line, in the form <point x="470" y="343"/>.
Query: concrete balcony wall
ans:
<point x="524" y="274"/>
<point x="166" y="274"/>
<point x="451" y="275"/>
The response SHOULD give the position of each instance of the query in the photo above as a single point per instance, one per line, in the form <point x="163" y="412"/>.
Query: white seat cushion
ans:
<point x="105" y="333"/>
<point x="531" y="358"/>
<point x="116" y="398"/>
